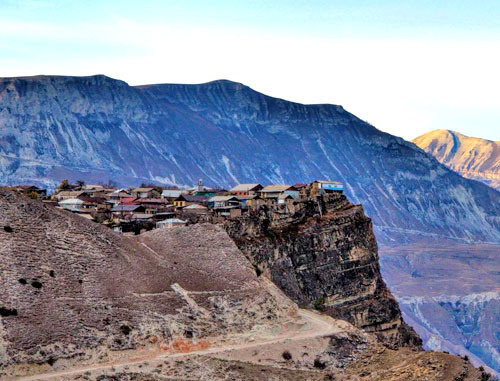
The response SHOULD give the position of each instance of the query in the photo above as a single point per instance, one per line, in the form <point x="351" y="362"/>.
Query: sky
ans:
<point x="407" y="67"/>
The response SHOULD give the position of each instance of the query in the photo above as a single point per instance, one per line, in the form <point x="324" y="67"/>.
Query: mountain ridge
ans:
<point x="97" y="128"/>
<point x="471" y="157"/>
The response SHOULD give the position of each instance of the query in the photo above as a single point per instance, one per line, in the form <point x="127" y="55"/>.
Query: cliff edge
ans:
<point x="321" y="251"/>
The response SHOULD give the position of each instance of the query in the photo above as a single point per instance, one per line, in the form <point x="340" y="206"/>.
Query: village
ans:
<point x="133" y="210"/>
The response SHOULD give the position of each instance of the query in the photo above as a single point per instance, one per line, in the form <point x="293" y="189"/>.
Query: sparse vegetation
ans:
<point x="63" y="185"/>
<point x="286" y="355"/>
<point x="125" y="329"/>
<point x="319" y="364"/>
<point x="33" y="195"/>
<point x="319" y="303"/>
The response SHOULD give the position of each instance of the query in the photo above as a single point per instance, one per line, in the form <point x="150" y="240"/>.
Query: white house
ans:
<point x="170" y="222"/>
<point x="71" y="204"/>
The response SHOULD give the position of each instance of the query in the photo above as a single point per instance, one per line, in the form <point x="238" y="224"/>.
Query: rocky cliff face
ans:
<point x="322" y="253"/>
<point x="96" y="128"/>
<point x="473" y="158"/>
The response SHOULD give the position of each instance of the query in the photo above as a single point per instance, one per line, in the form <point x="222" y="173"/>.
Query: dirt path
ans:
<point x="316" y="326"/>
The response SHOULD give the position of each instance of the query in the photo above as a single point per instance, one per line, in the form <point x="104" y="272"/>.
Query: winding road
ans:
<point x="316" y="325"/>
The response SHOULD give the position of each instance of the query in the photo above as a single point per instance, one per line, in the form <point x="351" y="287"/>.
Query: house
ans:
<point x="93" y="189"/>
<point x="327" y="186"/>
<point x="171" y="194"/>
<point x="75" y="205"/>
<point x="94" y="202"/>
<point x="117" y="197"/>
<point x="228" y="206"/>
<point x="121" y="210"/>
<point x="152" y="205"/>
<point x="64" y="195"/>
<point x="206" y="192"/>
<point x="283" y="198"/>
<point x="72" y="204"/>
<point x="138" y="217"/>
<point x="145" y="193"/>
<point x="195" y="209"/>
<point x="29" y="189"/>
<point x="171" y="222"/>
<point x="223" y="201"/>
<point x="100" y="192"/>
<point x="201" y="190"/>
<point x="130" y="201"/>
<point x="164" y="215"/>
<point x="186" y="199"/>
<point x="245" y="189"/>
<point x="251" y="200"/>
<point x="301" y="188"/>
<point x="272" y="192"/>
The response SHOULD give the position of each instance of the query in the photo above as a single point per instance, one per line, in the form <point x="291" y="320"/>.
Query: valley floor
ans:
<point x="450" y="294"/>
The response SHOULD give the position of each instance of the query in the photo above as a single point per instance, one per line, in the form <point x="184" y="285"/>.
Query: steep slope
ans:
<point x="74" y="290"/>
<point x="473" y="158"/>
<point x="98" y="128"/>
<point x="79" y="302"/>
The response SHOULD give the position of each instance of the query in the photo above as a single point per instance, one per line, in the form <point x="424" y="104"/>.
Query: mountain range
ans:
<point x="473" y="158"/>
<point x="98" y="129"/>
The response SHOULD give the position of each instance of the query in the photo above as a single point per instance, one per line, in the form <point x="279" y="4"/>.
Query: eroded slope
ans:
<point x="72" y="288"/>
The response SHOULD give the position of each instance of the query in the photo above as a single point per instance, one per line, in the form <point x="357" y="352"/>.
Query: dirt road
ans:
<point x="315" y="326"/>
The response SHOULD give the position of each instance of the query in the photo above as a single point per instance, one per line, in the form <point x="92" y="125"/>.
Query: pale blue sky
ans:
<point x="405" y="66"/>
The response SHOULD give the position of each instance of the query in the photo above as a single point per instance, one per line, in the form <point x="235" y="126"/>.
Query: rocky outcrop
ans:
<point x="321" y="251"/>
<point x="97" y="128"/>
<point x="473" y="158"/>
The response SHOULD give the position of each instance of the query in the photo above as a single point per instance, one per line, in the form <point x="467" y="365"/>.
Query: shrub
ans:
<point x="319" y="364"/>
<point x="286" y="355"/>
<point x="319" y="303"/>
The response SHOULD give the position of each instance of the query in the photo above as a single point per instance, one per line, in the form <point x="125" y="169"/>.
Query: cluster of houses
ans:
<point x="126" y="209"/>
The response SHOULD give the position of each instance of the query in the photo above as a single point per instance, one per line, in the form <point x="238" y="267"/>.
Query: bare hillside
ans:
<point x="79" y="302"/>
<point x="74" y="289"/>
<point x="473" y="158"/>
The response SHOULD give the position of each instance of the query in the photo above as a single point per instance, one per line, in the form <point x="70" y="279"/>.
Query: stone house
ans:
<point x="245" y="189"/>
<point x="145" y="193"/>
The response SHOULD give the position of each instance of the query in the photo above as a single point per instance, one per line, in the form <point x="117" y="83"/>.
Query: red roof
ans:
<point x="128" y="200"/>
